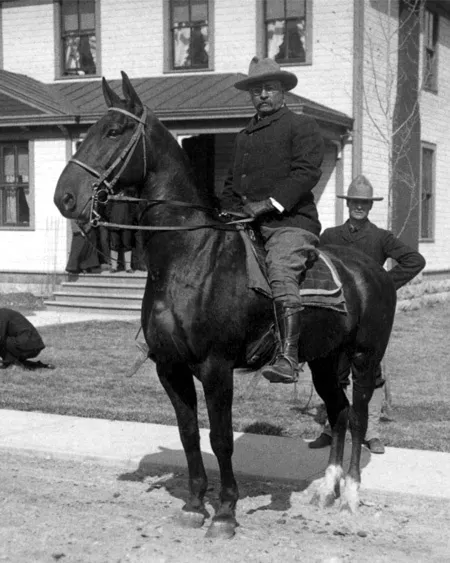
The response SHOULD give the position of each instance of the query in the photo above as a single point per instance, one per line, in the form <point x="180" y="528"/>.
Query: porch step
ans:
<point x="96" y="307"/>
<point x="101" y="293"/>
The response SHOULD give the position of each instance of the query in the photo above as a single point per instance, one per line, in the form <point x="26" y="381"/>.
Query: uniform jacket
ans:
<point x="278" y="156"/>
<point x="380" y="245"/>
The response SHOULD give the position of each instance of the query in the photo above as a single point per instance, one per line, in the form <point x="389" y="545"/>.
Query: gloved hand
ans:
<point x="257" y="208"/>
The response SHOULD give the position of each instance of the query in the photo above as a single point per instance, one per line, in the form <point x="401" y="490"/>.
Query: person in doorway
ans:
<point x="121" y="212"/>
<point x="275" y="165"/>
<point x="19" y="341"/>
<point x="380" y="244"/>
<point x="83" y="256"/>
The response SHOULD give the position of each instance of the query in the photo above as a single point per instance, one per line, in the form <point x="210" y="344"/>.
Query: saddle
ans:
<point x="321" y="287"/>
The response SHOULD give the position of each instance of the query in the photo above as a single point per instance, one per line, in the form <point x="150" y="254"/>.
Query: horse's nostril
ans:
<point x="68" y="201"/>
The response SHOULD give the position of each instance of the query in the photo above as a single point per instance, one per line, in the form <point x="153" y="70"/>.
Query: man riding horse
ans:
<point x="276" y="164"/>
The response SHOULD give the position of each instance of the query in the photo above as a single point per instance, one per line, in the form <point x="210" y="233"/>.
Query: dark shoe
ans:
<point x="322" y="441"/>
<point x="375" y="446"/>
<point x="285" y="367"/>
<point x="113" y="270"/>
<point x="130" y="271"/>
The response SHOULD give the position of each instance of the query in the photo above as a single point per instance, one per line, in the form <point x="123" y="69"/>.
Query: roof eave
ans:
<point x="34" y="120"/>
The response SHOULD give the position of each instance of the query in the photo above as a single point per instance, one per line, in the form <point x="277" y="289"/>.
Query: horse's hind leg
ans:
<point x="178" y="382"/>
<point x="325" y="374"/>
<point x="217" y="379"/>
<point x="363" y="373"/>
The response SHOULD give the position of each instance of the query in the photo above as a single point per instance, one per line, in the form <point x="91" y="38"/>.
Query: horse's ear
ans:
<point x="111" y="98"/>
<point x="130" y="94"/>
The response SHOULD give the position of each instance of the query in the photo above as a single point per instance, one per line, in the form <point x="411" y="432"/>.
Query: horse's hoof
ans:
<point x="223" y="528"/>
<point x="323" y="500"/>
<point x="191" y="519"/>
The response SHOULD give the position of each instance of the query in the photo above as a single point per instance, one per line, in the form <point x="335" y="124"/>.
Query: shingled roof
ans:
<point x="25" y="101"/>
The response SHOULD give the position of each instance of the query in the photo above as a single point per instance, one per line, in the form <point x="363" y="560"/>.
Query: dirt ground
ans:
<point x="79" y="511"/>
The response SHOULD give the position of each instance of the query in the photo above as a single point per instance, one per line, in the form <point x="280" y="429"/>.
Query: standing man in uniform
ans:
<point x="276" y="164"/>
<point x="380" y="244"/>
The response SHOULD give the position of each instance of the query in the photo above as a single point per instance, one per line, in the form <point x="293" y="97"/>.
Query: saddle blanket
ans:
<point x="321" y="287"/>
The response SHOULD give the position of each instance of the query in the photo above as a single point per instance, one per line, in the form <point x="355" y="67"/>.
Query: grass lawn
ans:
<point x="91" y="360"/>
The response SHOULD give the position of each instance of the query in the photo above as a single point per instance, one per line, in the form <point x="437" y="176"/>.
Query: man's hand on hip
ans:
<point x="257" y="208"/>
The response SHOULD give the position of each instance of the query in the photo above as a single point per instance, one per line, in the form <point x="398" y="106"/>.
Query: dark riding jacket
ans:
<point x="380" y="245"/>
<point x="278" y="156"/>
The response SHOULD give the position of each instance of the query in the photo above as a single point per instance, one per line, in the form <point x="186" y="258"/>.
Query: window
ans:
<point x="427" y="193"/>
<point x="430" y="51"/>
<point x="190" y="31"/>
<point x="287" y="37"/>
<point x="78" y="38"/>
<point x="14" y="185"/>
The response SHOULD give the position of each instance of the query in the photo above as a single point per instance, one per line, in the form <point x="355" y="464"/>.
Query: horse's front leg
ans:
<point x="178" y="382"/>
<point x="217" y="379"/>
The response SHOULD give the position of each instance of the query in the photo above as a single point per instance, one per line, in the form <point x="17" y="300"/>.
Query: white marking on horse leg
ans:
<point x="329" y="488"/>
<point x="350" y="497"/>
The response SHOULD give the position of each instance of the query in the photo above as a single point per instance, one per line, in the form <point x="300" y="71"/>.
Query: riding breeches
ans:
<point x="287" y="254"/>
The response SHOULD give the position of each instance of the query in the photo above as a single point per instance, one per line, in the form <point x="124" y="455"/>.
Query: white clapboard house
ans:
<point x="375" y="74"/>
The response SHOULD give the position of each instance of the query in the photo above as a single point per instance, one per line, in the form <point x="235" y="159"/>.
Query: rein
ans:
<point x="103" y="188"/>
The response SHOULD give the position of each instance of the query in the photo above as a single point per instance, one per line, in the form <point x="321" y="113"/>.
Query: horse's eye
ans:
<point x="113" y="133"/>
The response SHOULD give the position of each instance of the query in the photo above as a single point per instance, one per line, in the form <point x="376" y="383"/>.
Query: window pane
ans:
<point x="274" y="9"/>
<point x="199" y="11"/>
<point x="22" y="165"/>
<point x="23" y="208"/>
<point x="9" y="172"/>
<point x="80" y="55"/>
<point x="199" y="48"/>
<point x="293" y="49"/>
<point x="69" y="16"/>
<point x="295" y="8"/>
<point x="181" y="42"/>
<point x="275" y="38"/>
<point x="87" y="14"/>
<point x="11" y="207"/>
<point x="180" y="11"/>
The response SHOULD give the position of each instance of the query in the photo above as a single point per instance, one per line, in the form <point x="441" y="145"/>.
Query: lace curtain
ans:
<point x="190" y="46"/>
<point x="17" y="198"/>
<point x="80" y="54"/>
<point x="285" y="42"/>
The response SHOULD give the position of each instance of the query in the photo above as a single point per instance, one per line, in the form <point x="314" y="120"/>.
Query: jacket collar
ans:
<point x="355" y="235"/>
<point x="257" y="123"/>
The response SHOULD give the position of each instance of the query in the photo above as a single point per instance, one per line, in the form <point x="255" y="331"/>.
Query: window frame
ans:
<point x="432" y="208"/>
<point x="261" y="38"/>
<point x="59" y="54"/>
<point x="168" y="44"/>
<point x="30" y="148"/>
<point x="433" y="86"/>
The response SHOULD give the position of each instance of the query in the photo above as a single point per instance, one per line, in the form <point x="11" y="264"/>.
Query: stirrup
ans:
<point x="276" y="377"/>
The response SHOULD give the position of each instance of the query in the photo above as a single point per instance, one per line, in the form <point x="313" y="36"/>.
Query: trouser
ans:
<point x="121" y="239"/>
<point x="287" y="251"/>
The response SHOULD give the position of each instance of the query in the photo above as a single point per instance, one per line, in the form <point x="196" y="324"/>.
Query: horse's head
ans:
<point x="111" y="157"/>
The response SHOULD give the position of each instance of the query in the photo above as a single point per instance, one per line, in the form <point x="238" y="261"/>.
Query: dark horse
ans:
<point x="199" y="316"/>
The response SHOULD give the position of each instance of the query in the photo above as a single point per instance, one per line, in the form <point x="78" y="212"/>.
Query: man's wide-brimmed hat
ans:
<point x="261" y="70"/>
<point x="360" y="188"/>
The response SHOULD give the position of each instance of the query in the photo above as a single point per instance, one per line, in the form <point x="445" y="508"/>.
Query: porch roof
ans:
<point x="25" y="101"/>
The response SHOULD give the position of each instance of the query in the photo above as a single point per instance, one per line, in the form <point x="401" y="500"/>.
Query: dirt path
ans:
<point x="71" y="511"/>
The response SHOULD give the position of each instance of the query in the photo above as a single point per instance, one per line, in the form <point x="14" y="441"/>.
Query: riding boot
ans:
<point x="285" y="367"/>
<point x="127" y="260"/>
<point x="114" y="261"/>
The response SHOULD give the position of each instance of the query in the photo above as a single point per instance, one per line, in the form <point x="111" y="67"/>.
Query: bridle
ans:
<point x="103" y="187"/>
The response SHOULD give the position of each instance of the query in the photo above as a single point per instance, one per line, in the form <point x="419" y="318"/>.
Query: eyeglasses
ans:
<point x="270" y="89"/>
